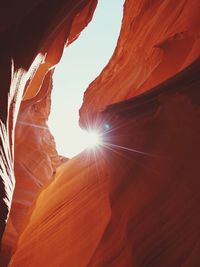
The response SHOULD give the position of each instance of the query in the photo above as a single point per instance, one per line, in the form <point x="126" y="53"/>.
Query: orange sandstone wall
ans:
<point x="130" y="207"/>
<point x="157" y="40"/>
<point x="33" y="35"/>
<point x="66" y="224"/>
<point x="123" y="208"/>
<point x="133" y="202"/>
<point x="36" y="160"/>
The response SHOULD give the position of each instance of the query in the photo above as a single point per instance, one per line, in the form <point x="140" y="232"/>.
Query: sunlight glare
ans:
<point x="81" y="63"/>
<point x="92" y="139"/>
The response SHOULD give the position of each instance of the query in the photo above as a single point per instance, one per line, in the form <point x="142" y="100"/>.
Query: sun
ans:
<point x="92" y="139"/>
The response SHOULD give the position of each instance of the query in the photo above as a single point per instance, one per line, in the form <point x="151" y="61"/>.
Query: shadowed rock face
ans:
<point x="30" y="48"/>
<point x="127" y="207"/>
<point x="36" y="160"/>
<point x="134" y="202"/>
<point x="157" y="40"/>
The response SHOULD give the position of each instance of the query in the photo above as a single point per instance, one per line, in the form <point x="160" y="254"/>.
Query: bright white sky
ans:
<point x="81" y="63"/>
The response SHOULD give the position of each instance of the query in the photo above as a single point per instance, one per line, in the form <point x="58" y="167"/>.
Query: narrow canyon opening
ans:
<point x="81" y="63"/>
<point x="133" y="201"/>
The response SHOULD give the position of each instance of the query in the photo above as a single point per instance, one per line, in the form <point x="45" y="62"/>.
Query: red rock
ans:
<point x="36" y="160"/>
<point x="118" y="207"/>
<point x="158" y="39"/>
<point x="23" y="38"/>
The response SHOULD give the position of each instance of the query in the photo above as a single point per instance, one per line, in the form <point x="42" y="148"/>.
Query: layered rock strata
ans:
<point x="135" y="200"/>
<point x="158" y="39"/>
<point x="33" y="35"/>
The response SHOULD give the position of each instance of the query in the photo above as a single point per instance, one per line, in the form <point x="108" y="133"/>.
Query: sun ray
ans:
<point x="32" y="125"/>
<point x="131" y="150"/>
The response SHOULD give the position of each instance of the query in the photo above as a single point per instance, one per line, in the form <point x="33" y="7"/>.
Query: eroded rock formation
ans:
<point x="36" y="161"/>
<point x="121" y="207"/>
<point x="30" y="49"/>
<point x="157" y="40"/>
<point x="134" y="202"/>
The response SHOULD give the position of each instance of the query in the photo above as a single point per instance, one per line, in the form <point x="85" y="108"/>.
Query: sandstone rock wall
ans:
<point x="134" y="201"/>
<point x="158" y="39"/>
<point x="33" y="35"/>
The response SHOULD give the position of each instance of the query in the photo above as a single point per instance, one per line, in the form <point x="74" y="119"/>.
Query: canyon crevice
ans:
<point x="135" y="201"/>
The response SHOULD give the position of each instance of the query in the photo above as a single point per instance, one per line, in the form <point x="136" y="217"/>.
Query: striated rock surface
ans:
<point x="66" y="223"/>
<point x="36" y="161"/>
<point x="157" y="40"/>
<point x="127" y="207"/>
<point x="134" y="201"/>
<point x="29" y="50"/>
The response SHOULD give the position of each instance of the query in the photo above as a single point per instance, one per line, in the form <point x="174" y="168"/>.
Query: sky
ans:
<point x="81" y="63"/>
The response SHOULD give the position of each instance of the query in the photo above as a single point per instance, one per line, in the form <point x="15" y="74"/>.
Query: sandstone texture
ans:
<point x="158" y="39"/>
<point x="30" y="49"/>
<point x="134" y="201"/>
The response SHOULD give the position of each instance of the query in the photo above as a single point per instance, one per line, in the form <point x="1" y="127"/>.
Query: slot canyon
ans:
<point x="134" y="200"/>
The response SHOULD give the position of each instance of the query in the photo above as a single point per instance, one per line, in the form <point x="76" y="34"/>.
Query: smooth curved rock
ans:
<point x="36" y="161"/>
<point x="134" y="202"/>
<point x="158" y="39"/>
<point x="30" y="49"/>
<point x="127" y="207"/>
